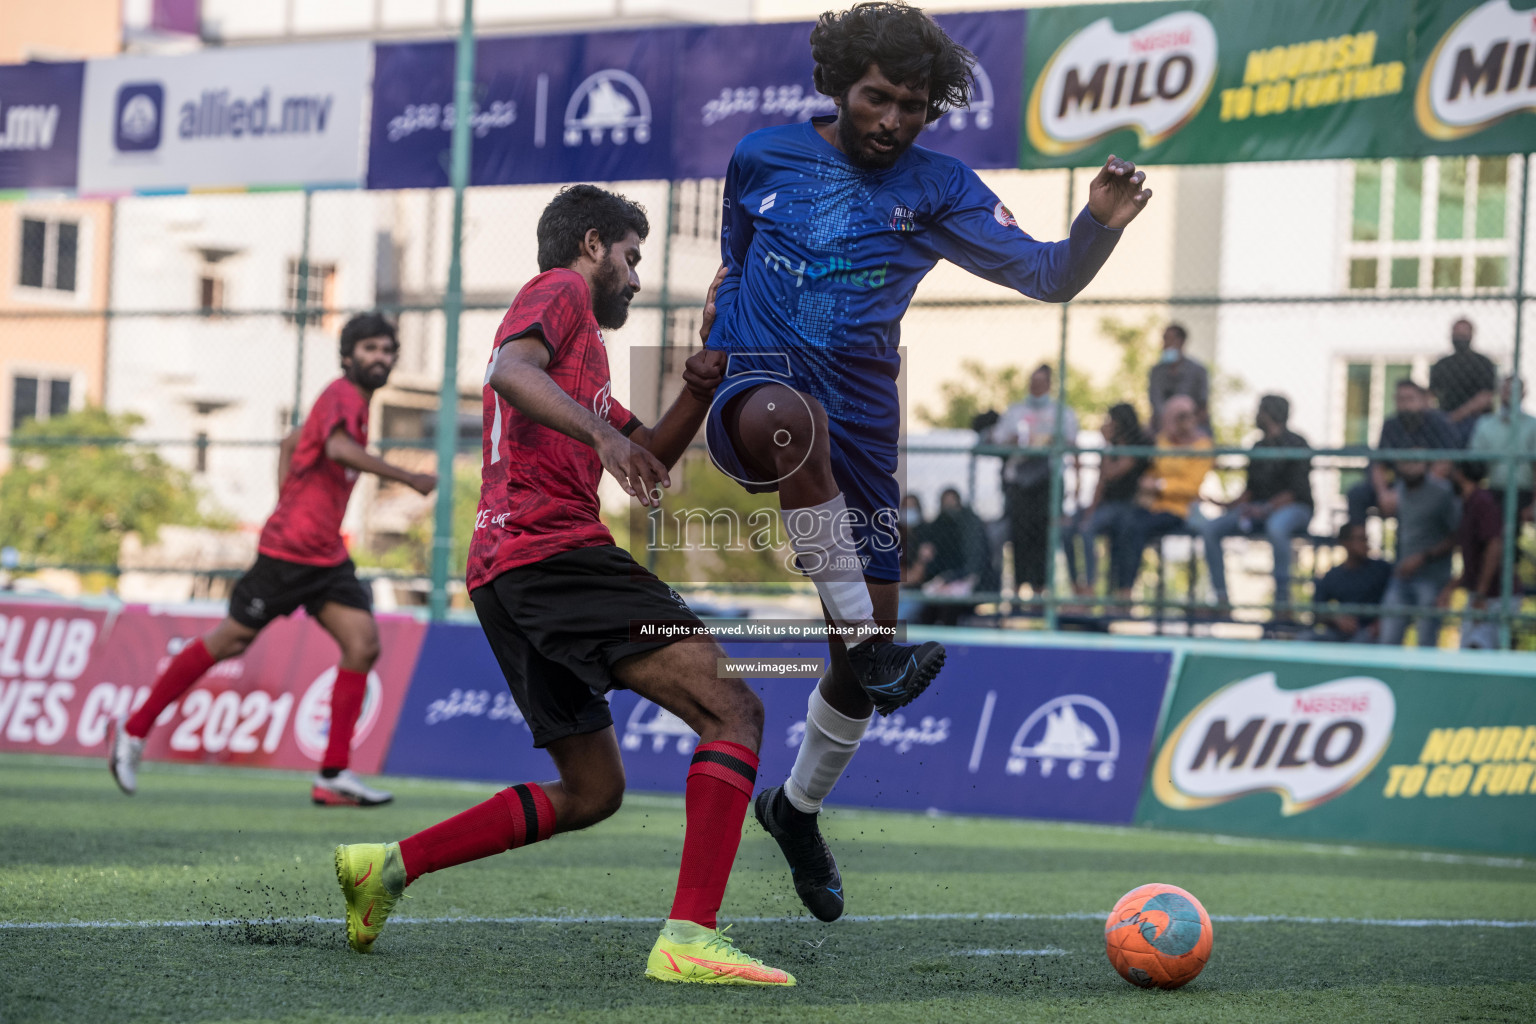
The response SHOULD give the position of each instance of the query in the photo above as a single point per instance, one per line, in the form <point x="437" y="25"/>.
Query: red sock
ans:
<point x="185" y="669"/>
<point x="346" y="701"/>
<point x="512" y="818"/>
<point x="720" y="782"/>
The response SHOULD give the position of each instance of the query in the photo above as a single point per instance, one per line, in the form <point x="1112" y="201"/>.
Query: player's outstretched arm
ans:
<point x="343" y="448"/>
<point x="702" y="374"/>
<point x="1116" y="194"/>
<point x="519" y="377"/>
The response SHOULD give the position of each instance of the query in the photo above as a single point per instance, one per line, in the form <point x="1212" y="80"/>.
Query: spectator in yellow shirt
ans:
<point x="1171" y="487"/>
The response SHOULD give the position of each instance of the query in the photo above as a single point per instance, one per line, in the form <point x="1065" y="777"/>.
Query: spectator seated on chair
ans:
<point x="1276" y="502"/>
<point x="1416" y="425"/>
<point x="1171" y="486"/>
<point x="954" y="560"/>
<point x="1359" y="580"/>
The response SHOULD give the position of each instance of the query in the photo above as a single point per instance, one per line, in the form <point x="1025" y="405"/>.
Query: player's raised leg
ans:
<point x="782" y="439"/>
<point x="357" y="634"/>
<point x="125" y="744"/>
<point x="836" y="718"/>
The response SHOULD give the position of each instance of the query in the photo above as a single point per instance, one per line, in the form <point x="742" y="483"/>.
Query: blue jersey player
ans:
<point x="829" y="225"/>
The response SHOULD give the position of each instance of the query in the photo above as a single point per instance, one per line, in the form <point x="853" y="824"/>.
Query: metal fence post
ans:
<point x="1058" y="444"/>
<point x="453" y="304"/>
<point x="301" y="302"/>
<point x="1511" y="511"/>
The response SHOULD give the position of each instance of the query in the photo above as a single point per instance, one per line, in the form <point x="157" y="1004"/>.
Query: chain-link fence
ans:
<point x="156" y="350"/>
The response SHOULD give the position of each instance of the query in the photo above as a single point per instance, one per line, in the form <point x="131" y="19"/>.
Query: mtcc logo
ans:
<point x="611" y="103"/>
<point x="661" y="725"/>
<point x="980" y="109"/>
<point x="1074" y="728"/>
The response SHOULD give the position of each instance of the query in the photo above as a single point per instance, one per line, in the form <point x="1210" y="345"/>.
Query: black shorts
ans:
<point x="558" y="626"/>
<point x="273" y="588"/>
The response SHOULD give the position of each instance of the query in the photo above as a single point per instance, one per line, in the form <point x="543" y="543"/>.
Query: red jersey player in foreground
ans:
<point x="302" y="560"/>
<point x="557" y="599"/>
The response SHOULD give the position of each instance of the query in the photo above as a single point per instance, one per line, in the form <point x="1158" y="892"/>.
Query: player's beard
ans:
<point x="868" y="159"/>
<point x="369" y="378"/>
<point x="610" y="298"/>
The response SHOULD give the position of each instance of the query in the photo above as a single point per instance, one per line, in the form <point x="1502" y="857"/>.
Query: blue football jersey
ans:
<point x="824" y="257"/>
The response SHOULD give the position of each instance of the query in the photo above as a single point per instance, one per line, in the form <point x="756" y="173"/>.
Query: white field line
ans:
<point x="1047" y="951"/>
<point x="1372" y="922"/>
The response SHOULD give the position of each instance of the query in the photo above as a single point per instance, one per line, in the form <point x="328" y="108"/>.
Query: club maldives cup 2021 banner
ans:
<point x="1435" y="755"/>
<point x="66" y="672"/>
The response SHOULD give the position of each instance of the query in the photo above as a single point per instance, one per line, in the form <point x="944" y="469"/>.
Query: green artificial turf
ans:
<point x="245" y="849"/>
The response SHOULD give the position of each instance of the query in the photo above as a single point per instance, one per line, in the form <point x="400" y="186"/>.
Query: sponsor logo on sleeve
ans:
<point x="1154" y="79"/>
<point x="1308" y="745"/>
<point x="1480" y="72"/>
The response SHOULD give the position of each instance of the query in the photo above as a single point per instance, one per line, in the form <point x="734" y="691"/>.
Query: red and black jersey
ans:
<point x="306" y="525"/>
<point x="538" y="487"/>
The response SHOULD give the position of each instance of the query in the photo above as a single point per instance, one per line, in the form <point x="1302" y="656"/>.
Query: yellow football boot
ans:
<point x="685" y="951"/>
<point x="372" y="878"/>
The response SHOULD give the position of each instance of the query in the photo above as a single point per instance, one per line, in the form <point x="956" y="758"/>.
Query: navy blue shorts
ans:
<point x="866" y="477"/>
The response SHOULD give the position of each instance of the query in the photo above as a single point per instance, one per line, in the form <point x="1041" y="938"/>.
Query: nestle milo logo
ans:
<point x="1481" y="71"/>
<point x="1308" y="745"/>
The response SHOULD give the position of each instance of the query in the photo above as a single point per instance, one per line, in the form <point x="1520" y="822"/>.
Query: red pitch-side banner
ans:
<point x="65" y="673"/>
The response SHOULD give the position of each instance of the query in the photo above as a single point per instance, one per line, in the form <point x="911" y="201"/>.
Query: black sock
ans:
<point x="329" y="773"/>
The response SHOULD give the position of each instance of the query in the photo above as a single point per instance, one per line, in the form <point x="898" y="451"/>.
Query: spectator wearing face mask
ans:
<point x="1416" y="425"/>
<point x="909" y="527"/>
<point x="1178" y="374"/>
<point x="953" y="560"/>
<point x="1463" y="383"/>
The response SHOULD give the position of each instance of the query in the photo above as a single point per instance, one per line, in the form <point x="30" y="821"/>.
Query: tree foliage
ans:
<point x="73" y="503"/>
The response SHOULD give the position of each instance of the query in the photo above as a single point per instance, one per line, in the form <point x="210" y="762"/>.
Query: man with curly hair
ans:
<point x="828" y="227"/>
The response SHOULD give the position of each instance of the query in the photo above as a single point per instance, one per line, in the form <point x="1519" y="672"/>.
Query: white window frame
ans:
<point x="44" y="373"/>
<point x="84" y="258"/>
<point x="1427" y="248"/>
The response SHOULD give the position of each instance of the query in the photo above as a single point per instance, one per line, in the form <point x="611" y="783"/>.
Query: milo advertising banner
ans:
<point x="1220" y="81"/>
<point x="1434" y="755"/>
<point x="1215" y="82"/>
<point x="1475" y="91"/>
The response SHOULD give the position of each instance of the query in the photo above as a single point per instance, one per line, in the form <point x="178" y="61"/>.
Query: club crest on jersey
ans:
<point x="603" y="400"/>
<point x="903" y="218"/>
<point x="1004" y="216"/>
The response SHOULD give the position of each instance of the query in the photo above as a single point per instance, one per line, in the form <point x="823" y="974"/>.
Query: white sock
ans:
<point x="823" y="543"/>
<point x="830" y="740"/>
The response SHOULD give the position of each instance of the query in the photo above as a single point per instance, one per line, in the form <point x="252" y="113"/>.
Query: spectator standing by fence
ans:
<point x="1497" y="433"/>
<point x="1427" y="517"/>
<point x="1113" y="507"/>
<point x="1276" y="501"/>
<point x="1031" y="424"/>
<point x="1178" y="374"/>
<point x="1463" y="383"/>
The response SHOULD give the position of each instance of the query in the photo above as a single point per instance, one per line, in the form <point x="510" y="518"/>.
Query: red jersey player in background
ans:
<point x="301" y="560"/>
<point x="558" y="600"/>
